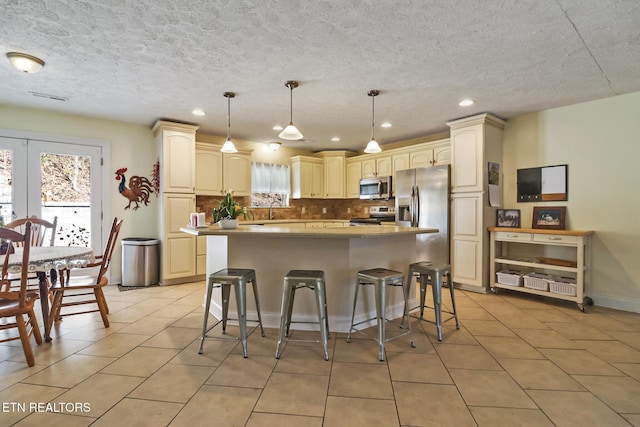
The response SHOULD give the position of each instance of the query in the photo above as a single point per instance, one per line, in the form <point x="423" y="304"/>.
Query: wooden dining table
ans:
<point x="45" y="261"/>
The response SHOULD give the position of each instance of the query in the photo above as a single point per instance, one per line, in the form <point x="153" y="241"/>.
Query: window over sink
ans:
<point x="270" y="185"/>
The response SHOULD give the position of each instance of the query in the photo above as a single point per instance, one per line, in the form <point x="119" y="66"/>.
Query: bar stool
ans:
<point x="310" y="279"/>
<point x="238" y="278"/>
<point x="380" y="278"/>
<point x="430" y="272"/>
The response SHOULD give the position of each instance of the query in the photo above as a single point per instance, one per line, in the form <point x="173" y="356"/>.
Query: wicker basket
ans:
<point x="537" y="281"/>
<point x="509" y="277"/>
<point x="563" y="286"/>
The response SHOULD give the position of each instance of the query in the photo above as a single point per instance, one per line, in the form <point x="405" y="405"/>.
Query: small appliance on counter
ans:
<point x="378" y="215"/>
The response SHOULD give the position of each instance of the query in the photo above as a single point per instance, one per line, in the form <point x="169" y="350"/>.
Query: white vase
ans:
<point x="228" y="223"/>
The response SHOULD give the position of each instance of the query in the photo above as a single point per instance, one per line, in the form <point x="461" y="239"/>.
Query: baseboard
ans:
<point x="625" y="304"/>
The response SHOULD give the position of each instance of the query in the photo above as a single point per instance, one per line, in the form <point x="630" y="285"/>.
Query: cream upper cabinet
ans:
<point x="431" y="155"/>
<point x="377" y="166"/>
<point x="177" y="157"/>
<point x="400" y="162"/>
<point x="353" y="174"/>
<point x="236" y="173"/>
<point x="307" y="177"/>
<point x="208" y="170"/>
<point x="218" y="172"/>
<point x="334" y="182"/>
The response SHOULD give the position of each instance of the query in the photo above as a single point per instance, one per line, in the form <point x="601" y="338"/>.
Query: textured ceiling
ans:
<point x="138" y="61"/>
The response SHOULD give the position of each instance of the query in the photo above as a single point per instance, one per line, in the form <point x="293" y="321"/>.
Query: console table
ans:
<point x="511" y="248"/>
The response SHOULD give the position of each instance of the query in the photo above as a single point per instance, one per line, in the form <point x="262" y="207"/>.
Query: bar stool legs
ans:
<point x="434" y="272"/>
<point x="296" y="279"/>
<point x="224" y="279"/>
<point x="380" y="278"/>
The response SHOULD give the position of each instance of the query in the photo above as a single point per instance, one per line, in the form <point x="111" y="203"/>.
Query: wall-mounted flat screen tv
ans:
<point x="547" y="183"/>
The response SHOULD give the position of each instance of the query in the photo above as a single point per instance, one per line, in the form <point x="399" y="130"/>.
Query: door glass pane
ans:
<point x="66" y="193"/>
<point x="6" y="181"/>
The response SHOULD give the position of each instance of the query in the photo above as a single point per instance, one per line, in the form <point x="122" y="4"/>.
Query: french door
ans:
<point x="53" y="179"/>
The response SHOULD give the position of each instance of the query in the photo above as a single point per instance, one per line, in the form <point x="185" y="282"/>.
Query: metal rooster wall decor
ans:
<point x="140" y="188"/>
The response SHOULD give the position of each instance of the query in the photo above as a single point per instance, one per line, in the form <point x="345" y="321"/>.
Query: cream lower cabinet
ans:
<point x="467" y="240"/>
<point x="179" y="251"/>
<point x="201" y="255"/>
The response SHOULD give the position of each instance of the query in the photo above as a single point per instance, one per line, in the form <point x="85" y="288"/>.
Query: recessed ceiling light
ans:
<point x="466" y="102"/>
<point x="335" y="139"/>
<point x="277" y="127"/>
<point x="198" y="112"/>
<point x="386" y="125"/>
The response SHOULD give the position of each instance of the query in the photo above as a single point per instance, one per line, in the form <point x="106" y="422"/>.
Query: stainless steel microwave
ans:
<point x="375" y="188"/>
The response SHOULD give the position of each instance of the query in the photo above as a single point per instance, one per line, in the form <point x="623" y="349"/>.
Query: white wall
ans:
<point x="600" y="141"/>
<point x="131" y="146"/>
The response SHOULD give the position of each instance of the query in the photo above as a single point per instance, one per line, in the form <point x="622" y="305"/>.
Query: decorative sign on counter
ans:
<point x="197" y="219"/>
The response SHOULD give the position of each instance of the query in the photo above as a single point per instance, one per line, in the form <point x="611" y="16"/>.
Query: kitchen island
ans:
<point x="340" y="252"/>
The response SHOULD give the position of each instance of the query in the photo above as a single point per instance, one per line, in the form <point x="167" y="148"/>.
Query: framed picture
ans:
<point x="508" y="218"/>
<point x="551" y="218"/>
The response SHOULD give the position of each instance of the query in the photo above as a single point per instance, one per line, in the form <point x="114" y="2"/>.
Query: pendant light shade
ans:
<point x="373" y="146"/>
<point x="228" y="146"/>
<point x="291" y="132"/>
<point x="25" y="63"/>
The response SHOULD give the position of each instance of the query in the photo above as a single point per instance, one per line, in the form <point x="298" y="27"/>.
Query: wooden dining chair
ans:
<point x="43" y="232"/>
<point x="84" y="285"/>
<point x="14" y="304"/>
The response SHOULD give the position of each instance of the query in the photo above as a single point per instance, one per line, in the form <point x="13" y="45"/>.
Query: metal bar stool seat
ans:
<point x="296" y="279"/>
<point x="224" y="279"/>
<point x="433" y="273"/>
<point x="380" y="278"/>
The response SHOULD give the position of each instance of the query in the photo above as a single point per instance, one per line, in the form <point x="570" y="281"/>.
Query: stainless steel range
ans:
<point x="378" y="215"/>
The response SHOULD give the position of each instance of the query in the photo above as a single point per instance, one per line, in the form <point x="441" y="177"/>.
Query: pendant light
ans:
<point x="291" y="132"/>
<point x="228" y="146"/>
<point x="373" y="146"/>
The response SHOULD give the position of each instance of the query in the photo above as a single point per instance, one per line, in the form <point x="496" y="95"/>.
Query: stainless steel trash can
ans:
<point x="139" y="261"/>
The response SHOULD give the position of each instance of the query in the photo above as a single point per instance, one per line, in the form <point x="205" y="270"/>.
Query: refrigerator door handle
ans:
<point x="411" y="207"/>
<point x="417" y="213"/>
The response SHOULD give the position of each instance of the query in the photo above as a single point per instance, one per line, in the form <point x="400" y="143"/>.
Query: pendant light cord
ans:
<point x="373" y="117"/>
<point x="290" y="104"/>
<point x="228" y="118"/>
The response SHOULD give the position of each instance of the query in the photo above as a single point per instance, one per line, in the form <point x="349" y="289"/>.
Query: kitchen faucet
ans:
<point x="271" y="215"/>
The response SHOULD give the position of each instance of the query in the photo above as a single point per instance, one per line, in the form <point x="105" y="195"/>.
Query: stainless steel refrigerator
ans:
<point x="422" y="200"/>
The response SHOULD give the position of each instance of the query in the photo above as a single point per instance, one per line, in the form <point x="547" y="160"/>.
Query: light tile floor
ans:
<point x="516" y="360"/>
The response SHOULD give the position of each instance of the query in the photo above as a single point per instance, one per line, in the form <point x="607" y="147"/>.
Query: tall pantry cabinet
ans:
<point x="476" y="141"/>
<point x="176" y="145"/>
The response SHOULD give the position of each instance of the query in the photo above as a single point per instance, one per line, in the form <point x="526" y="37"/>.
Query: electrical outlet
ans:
<point x="366" y="210"/>
<point x="324" y="210"/>
<point x="303" y="210"/>
<point x="348" y="210"/>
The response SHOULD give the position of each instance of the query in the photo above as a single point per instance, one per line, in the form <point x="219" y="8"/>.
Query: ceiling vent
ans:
<point x="46" y="95"/>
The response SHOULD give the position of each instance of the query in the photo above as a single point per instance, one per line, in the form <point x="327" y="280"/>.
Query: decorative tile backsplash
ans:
<point x="313" y="208"/>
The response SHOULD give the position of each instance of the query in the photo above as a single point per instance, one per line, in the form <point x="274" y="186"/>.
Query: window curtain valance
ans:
<point x="270" y="178"/>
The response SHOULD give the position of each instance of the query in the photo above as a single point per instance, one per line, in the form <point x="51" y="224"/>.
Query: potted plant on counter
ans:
<point x="226" y="215"/>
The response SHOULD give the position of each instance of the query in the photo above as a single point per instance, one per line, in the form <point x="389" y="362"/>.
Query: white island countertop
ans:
<point x="364" y="232"/>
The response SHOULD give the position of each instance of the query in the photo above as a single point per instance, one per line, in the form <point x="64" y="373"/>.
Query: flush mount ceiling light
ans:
<point x="466" y="103"/>
<point x="291" y="132"/>
<point x="228" y="146"/>
<point x="198" y="112"/>
<point x="386" y="125"/>
<point x="373" y="146"/>
<point x="25" y="63"/>
<point x="335" y="139"/>
<point x="275" y="146"/>
<point x="277" y="127"/>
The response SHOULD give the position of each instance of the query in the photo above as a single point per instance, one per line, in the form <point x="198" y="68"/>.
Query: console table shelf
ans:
<point x="578" y="267"/>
